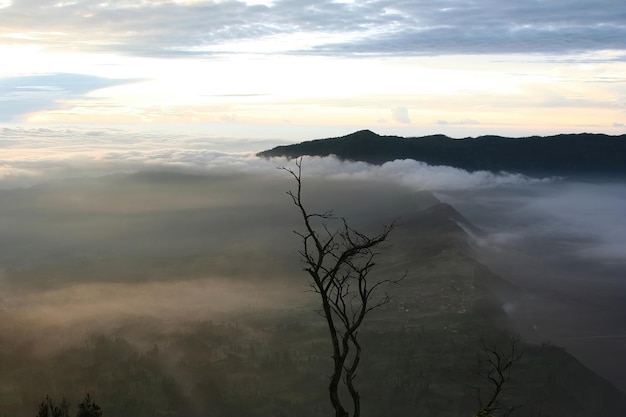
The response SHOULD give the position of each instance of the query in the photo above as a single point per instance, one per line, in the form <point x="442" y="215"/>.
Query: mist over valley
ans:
<point x="166" y="277"/>
<point x="286" y="208"/>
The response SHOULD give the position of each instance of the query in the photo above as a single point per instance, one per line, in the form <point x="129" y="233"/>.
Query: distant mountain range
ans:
<point x="582" y="154"/>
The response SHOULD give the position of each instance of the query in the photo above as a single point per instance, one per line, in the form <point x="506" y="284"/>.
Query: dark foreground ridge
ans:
<point x="583" y="154"/>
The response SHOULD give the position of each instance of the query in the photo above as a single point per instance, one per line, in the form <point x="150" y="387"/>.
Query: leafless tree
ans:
<point x="339" y="261"/>
<point x="496" y="364"/>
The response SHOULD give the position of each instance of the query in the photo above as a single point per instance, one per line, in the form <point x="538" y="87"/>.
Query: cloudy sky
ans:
<point x="306" y="68"/>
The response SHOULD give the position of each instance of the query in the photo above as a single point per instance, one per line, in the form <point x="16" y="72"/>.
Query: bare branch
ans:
<point x="497" y="363"/>
<point x="339" y="260"/>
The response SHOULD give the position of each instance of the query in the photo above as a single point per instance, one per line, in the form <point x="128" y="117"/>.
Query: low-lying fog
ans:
<point x="564" y="243"/>
<point x="84" y="245"/>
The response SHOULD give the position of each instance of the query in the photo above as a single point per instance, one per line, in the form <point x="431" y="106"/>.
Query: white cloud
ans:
<point x="35" y="155"/>
<point x="416" y="175"/>
<point x="401" y="115"/>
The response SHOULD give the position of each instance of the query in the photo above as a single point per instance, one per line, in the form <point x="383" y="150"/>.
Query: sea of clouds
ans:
<point x="564" y="239"/>
<point x="569" y="218"/>
<point x="34" y="155"/>
<point x="585" y="219"/>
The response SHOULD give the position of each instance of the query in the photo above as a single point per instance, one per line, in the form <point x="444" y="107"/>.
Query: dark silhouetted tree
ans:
<point x="49" y="408"/>
<point x="496" y="364"/>
<point x="339" y="260"/>
<point x="88" y="408"/>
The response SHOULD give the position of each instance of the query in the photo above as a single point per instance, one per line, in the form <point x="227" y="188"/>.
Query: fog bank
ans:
<point x="100" y="226"/>
<point x="564" y="245"/>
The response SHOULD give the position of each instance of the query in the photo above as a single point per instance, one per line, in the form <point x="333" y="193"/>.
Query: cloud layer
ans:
<point x="571" y="226"/>
<point x="582" y="221"/>
<point x="41" y="154"/>
<point x="382" y="27"/>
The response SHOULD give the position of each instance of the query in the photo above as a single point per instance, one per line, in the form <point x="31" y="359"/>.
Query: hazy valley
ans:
<point x="179" y="291"/>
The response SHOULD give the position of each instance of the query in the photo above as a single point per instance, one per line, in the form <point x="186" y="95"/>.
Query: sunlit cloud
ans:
<point x="530" y="66"/>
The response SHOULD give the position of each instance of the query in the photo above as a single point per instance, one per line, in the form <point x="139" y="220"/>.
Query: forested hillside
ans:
<point x="571" y="155"/>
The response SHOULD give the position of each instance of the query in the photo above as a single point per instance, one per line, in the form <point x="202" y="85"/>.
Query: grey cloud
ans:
<point x="22" y="95"/>
<point x="483" y="39"/>
<point x="380" y="27"/>
<point x="555" y="221"/>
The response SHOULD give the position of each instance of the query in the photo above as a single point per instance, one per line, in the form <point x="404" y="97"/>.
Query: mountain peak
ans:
<point x="365" y="133"/>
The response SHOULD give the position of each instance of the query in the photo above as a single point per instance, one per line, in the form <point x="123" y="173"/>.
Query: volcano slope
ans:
<point x="171" y="294"/>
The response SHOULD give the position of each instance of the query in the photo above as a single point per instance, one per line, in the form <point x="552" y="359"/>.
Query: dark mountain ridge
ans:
<point x="583" y="154"/>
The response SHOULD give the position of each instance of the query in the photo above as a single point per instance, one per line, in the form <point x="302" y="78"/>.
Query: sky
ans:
<point x="296" y="70"/>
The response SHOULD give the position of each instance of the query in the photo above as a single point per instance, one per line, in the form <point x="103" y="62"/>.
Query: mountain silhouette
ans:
<point x="583" y="154"/>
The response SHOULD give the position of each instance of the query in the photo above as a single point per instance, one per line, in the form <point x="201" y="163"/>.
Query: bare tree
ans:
<point x="339" y="260"/>
<point x="496" y="364"/>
